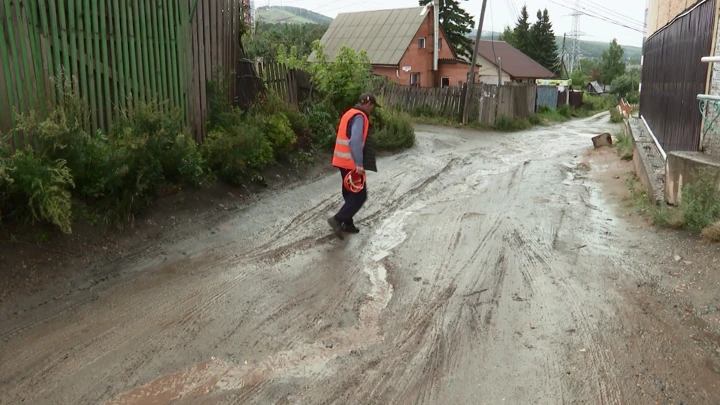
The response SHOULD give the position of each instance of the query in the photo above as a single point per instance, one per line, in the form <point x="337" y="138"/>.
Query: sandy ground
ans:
<point x="491" y="269"/>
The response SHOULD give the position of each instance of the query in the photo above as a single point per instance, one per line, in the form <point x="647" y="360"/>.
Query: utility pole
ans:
<point x="471" y="74"/>
<point x="499" y="66"/>
<point x="436" y="39"/>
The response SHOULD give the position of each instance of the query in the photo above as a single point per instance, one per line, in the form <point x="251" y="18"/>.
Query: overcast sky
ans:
<point x="503" y="12"/>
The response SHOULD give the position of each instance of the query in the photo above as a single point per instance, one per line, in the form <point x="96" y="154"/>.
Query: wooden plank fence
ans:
<point x="487" y="101"/>
<point x="116" y="52"/>
<point x="292" y="85"/>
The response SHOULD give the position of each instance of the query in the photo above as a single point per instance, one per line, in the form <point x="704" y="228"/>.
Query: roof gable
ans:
<point x="384" y="34"/>
<point x="514" y="62"/>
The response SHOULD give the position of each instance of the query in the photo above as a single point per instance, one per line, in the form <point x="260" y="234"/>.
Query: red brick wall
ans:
<point x="457" y="72"/>
<point x="419" y="60"/>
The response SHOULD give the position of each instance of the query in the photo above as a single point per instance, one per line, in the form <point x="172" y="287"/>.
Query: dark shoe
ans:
<point x="349" y="228"/>
<point x="336" y="227"/>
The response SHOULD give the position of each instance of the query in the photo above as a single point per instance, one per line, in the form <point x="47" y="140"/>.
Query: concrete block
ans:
<point x="681" y="168"/>
<point x="602" y="140"/>
<point x="647" y="161"/>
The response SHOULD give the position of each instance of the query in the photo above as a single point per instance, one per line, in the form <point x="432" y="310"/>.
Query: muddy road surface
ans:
<point x="486" y="272"/>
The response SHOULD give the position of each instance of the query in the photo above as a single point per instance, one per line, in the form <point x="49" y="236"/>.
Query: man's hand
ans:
<point x="360" y="169"/>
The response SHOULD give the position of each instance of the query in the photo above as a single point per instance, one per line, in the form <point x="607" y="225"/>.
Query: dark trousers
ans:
<point x="353" y="201"/>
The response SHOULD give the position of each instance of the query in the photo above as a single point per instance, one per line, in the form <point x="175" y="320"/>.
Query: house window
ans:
<point x="439" y="43"/>
<point x="444" y="82"/>
<point x="421" y="42"/>
<point x="415" y="79"/>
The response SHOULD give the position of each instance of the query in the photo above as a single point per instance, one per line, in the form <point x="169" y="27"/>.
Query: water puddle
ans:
<point x="215" y="375"/>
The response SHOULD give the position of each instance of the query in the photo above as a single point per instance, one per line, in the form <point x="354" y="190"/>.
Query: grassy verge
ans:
<point x="624" y="146"/>
<point x="698" y="211"/>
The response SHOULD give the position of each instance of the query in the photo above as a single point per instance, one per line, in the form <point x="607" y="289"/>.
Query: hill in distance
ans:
<point x="289" y="15"/>
<point x="588" y="49"/>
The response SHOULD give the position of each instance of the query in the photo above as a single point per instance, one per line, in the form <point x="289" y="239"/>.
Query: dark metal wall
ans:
<point x="673" y="76"/>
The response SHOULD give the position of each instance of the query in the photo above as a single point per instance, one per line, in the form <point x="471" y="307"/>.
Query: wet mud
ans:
<point x="490" y="268"/>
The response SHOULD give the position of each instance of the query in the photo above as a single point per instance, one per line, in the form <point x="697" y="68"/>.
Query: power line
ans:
<point x="615" y="13"/>
<point x="611" y="21"/>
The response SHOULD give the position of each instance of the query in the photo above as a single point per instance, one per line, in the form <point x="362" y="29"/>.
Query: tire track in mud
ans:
<point x="542" y="257"/>
<point x="275" y="250"/>
<point x="216" y="375"/>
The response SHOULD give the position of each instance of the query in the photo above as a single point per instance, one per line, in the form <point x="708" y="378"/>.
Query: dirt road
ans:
<point x="488" y="271"/>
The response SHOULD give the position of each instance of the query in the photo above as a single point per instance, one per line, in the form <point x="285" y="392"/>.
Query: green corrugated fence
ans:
<point x="117" y="52"/>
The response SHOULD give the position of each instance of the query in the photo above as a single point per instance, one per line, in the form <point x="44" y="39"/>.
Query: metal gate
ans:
<point x="673" y="76"/>
<point x="547" y="96"/>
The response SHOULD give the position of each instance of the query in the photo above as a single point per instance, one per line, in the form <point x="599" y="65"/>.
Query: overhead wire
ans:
<point x="616" y="14"/>
<point x="609" y="20"/>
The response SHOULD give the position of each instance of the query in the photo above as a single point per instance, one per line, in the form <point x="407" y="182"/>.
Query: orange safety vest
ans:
<point x="342" y="157"/>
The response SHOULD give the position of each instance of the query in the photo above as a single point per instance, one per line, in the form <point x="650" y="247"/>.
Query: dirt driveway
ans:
<point x="490" y="269"/>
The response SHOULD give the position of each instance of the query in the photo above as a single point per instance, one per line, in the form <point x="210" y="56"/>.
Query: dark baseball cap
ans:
<point x="369" y="98"/>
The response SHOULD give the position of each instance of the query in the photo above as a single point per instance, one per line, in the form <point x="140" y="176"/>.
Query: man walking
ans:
<point x="354" y="151"/>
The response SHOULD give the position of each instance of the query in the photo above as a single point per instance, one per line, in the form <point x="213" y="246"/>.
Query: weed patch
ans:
<point x="507" y="124"/>
<point x="624" y="146"/>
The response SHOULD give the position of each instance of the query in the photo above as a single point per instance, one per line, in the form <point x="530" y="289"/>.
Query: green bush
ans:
<point x="599" y="103"/>
<point x="392" y="129"/>
<point x="615" y="116"/>
<point x="700" y="203"/>
<point x="323" y="120"/>
<point x="344" y="78"/>
<point x="505" y="124"/>
<point x="37" y="190"/>
<point x="624" y="146"/>
<point x="238" y="153"/>
<point x="535" y="119"/>
<point x="423" y="111"/>
<point x="565" y="111"/>
<point x="119" y="174"/>
<point x="633" y="97"/>
<point x="276" y="128"/>
<point x="544" y="109"/>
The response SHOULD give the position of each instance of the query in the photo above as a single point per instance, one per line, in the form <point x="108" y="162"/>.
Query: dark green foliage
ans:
<point x="456" y="23"/>
<point x="323" y="120"/>
<point x="565" y="111"/>
<point x="392" y="130"/>
<point x="507" y="124"/>
<point x="700" y="203"/>
<point x="612" y="65"/>
<point x="267" y="38"/>
<point x="238" y="153"/>
<point x="543" y="48"/>
<point x="35" y="190"/>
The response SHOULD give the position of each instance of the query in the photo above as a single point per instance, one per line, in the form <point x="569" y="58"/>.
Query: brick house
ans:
<point x="399" y="43"/>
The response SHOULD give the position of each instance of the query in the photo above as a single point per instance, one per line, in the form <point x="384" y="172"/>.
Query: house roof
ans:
<point x="384" y="34"/>
<point x="600" y="88"/>
<point x="514" y="62"/>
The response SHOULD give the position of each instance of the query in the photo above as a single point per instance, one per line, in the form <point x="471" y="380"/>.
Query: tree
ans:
<point x="508" y="35"/>
<point x="612" y="65"/>
<point x="264" y="43"/>
<point x="622" y="85"/>
<point x="579" y="78"/>
<point x="522" y="39"/>
<point x="543" y="48"/>
<point x="456" y="23"/>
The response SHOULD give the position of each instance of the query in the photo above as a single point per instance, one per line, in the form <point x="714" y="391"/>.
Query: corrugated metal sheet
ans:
<point x="384" y="34"/>
<point x="673" y="76"/>
<point x="547" y="96"/>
